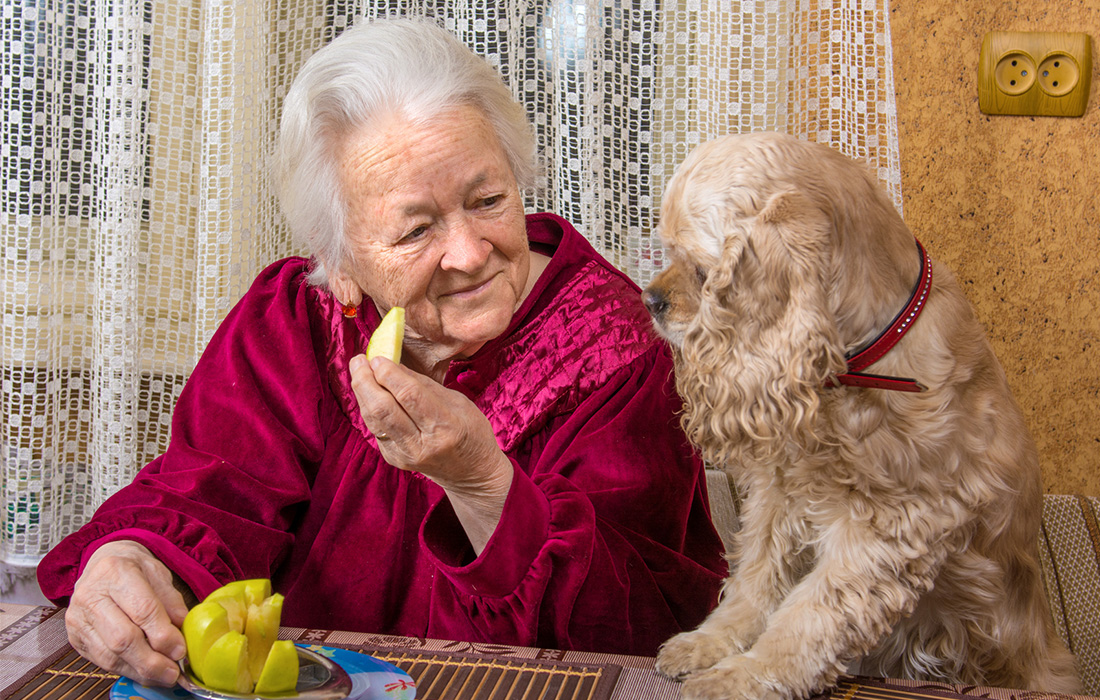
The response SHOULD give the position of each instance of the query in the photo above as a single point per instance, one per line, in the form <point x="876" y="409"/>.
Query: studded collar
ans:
<point x="861" y="358"/>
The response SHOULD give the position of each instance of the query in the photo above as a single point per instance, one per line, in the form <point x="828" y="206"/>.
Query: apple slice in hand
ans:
<point x="386" y="339"/>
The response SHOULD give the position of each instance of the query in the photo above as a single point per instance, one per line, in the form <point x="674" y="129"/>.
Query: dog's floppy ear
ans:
<point x="791" y="236"/>
<point x="795" y="235"/>
<point x="789" y="232"/>
<point x="722" y="277"/>
<point x="791" y="219"/>
<point x="784" y="344"/>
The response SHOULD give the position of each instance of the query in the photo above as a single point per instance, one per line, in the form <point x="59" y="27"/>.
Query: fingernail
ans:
<point x="356" y="362"/>
<point x="170" y="676"/>
<point x="380" y="362"/>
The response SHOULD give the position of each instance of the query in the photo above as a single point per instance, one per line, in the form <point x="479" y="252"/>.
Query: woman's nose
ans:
<point x="467" y="247"/>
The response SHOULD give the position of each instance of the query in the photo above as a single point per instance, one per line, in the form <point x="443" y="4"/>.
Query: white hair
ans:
<point x="411" y="68"/>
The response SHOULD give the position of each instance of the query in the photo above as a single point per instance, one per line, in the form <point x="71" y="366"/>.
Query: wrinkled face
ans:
<point x="436" y="224"/>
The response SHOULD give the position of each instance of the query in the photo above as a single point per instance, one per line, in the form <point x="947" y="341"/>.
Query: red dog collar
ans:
<point x="873" y="351"/>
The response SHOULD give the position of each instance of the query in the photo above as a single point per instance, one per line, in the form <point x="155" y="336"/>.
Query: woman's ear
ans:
<point x="344" y="288"/>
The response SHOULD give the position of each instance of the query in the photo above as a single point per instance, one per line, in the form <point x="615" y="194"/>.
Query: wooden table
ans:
<point x="36" y="662"/>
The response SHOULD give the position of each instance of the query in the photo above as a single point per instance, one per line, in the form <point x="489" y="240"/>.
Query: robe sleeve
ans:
<point x="605" y="541"/>
<point x="219" y="504"/>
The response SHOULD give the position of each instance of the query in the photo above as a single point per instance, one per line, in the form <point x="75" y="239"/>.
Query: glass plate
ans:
<point x="371" y="679"/>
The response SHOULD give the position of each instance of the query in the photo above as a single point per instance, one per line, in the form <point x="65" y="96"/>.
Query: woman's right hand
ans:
<point x="439" y="433"/>
<point x="125" y="614"/>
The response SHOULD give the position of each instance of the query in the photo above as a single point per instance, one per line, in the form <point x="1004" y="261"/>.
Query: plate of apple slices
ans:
<point x="370" y="679"/>
<point x="316" y="678"/>
<point x="233" y="653"/>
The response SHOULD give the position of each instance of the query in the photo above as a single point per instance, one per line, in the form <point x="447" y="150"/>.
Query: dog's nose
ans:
<point x="655" y="302"/>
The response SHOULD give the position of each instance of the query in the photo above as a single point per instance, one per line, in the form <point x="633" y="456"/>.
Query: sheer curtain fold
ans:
<point x="137" y="204"/>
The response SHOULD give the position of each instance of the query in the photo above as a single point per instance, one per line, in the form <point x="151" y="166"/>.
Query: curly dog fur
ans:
<point x="896" y="530"/>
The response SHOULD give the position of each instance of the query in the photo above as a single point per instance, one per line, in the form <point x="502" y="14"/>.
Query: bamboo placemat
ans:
<point x="446" y="676"/>
<point x="438" y="676"/>
<point x="863" y="688"/>
<point x="70" y="677"/>
<point x="36" y="662"/>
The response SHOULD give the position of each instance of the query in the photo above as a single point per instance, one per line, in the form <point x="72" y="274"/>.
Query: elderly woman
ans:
<point x="519" y="478"/>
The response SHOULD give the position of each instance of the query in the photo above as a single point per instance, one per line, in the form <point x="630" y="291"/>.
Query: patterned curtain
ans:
<point x="137" y="206"/>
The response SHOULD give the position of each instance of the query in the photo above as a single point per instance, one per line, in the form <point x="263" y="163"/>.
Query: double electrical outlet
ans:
<point x="1035" y="73"/>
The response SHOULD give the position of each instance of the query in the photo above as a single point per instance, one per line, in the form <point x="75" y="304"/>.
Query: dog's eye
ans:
<point x="701" y="274"/>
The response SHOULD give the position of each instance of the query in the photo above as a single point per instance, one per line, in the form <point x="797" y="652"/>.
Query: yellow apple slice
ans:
<point x="205" y="624"/>
<point x="280" y="670"/>
<point x="225" y="667"/>
<point x="254" y="590"/>
<point x="235" y="607"/>
<point x="386" y="339"/>
<point x="262" y="629"/>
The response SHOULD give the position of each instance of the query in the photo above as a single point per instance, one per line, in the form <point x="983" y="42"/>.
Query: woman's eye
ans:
<point x="414" y="234"/>
<point x="490" y="201"/>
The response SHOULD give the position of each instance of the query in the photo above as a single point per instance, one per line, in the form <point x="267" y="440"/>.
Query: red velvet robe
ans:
<point x="605" y="541"/>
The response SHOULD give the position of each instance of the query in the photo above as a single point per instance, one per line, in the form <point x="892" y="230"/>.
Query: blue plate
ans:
<point x="371" y="679"/>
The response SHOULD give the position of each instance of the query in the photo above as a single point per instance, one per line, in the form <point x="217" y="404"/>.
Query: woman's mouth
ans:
<point x="472" y="290"/>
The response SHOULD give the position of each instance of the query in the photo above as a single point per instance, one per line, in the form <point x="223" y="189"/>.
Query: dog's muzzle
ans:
<point x="656" y="303"/>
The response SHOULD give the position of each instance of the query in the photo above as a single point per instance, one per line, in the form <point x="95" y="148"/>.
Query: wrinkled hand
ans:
<point x="440" y="433"/>
<point x="125" y="614"/>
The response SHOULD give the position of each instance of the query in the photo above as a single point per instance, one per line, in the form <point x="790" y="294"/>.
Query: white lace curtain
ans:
<point x="137" y="206"/>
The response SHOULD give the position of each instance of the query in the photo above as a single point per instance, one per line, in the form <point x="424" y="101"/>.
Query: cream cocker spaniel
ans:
<point x="889" y="519"/>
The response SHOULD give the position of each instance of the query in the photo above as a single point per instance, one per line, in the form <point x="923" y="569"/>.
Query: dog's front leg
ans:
<point x="859" y="588"/>
<point x="762" y="577"/>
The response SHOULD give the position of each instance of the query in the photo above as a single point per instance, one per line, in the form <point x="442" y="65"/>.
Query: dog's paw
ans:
<point x="732" y="678"/>
<point x="691" y="651"/>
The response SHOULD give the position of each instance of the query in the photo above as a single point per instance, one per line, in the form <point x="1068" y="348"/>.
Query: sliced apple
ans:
<point x="225" y="667"/>
<point x="205" y="624"/>
<point x="262" y="629"/>
<point x="280" y="671"/>
<point x="232" y="637"/>
<point x="236" y="609"/>
<point x="254" y="590"/>
<point x="386" y="339"/>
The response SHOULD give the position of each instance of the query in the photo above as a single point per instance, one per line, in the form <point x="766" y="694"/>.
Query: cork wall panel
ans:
<point x="1011" y="204"/>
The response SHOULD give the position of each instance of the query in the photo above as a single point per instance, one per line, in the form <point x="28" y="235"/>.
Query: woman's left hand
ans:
<point x="425" y="427"/>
